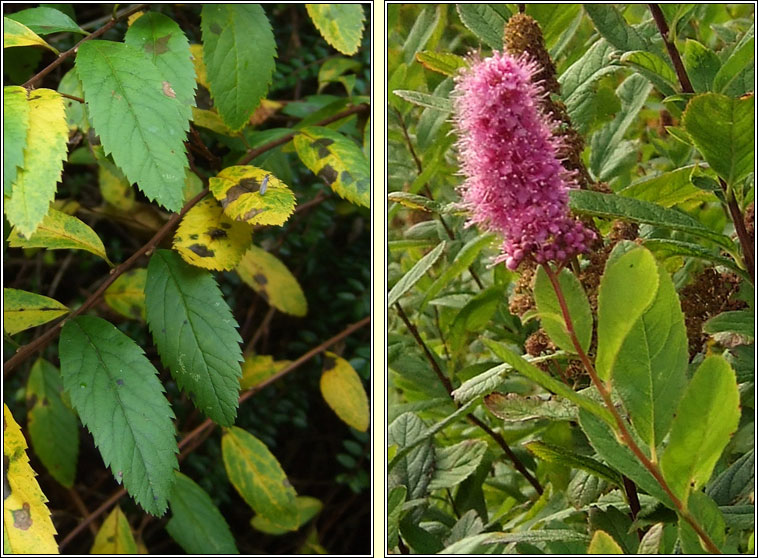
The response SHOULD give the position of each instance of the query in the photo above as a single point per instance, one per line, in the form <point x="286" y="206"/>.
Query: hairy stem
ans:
<point x="622" y="430"/>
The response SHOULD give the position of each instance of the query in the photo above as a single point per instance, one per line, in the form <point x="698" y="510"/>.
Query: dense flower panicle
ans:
<point x="515" y="184"/>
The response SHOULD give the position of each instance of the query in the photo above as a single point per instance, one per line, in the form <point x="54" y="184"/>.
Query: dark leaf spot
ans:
<point x="6" y="486"/>
<point x="177" y="239"/>
<point x="328" y="175"/>
<point x="201" y="251"/>
<point x="193" y="237"/>
<point x="135" y="311"/>
<point x="252" y="213"/>
<point x="22" y="519"/>
<point x="215" y="28"/>
<point x="215" y="234"/>
<point x="245" y="186"/>
<point x="31" y="401"/>
<point x="45" y="402"/>
<point x="111" y="539"/>
<point x="329" y="363"/>
<point x="120" y="382"/>
<point x="160" y="46"/>
<point x="321" y="145"/>
<point x="346" y="178"/>
<point x="226" y="225"/>
<point x="260" y="278"/>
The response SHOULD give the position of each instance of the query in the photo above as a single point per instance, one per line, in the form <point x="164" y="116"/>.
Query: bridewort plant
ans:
<point x="588" y="387"/>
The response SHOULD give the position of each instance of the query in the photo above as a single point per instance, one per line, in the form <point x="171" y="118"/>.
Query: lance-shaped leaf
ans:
<point x="209" y="239"/>
<point x="17" y="34"/>
<point x="269" y="277"/>
<point x="44" y="20"/>
<point x="238" y="188"/>
<point x="340" y="24"/>
<point x="258" y="477"/>
<point x="195" y="333"/>
<point x="238" y="75"/>
<point x="163" y="42"/>
<point x="139" y="119"/>
<point x="15" y="126"/>
<point x="27" y="528"/>
<point x="59" y="231"/>
<point x="114" y="536"/>
<point x="307" y="508"/>
<point x="445" y="63"/>
<point x="551" y="315"/>
<point x="705" y="420"/>
<point x="338" y="161"/>
<point x="44" y="152"/>
<point x="126" y="295"/>
<point x="196" y="524"/>
<point x="53" y="426"/>
<point x="116" y="392"/>
<point x="343" y="391"/>
<point x="22" y="310"/>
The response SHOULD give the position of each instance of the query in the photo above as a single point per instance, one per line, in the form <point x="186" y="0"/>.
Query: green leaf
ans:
<point x="606" y="143"/>
<point x="395" y="502"/>
<point x="53" y="426"/>
<point x="551" y="315"/>
<point x="464" y="258"/>
<point x="196" y="524"/>
<point x="651" y="541"/>
<point x="258" y="477"/>
<point x="539" y="536"/>
<point x="413" y="275"/>
<point x="666" y="189"/>
<point x="563" y="456"/>
<point x="114" y="536"/>
<point x="425" y="100"/>
<point x="612" y="26"/>
<point x="239" y="76"/>
<point x="486" y="21"/>
<point x="116" y="392"/>
<point x="445" y="63"/>
<point x="423" y="28"/>
<point x="267" y="275"/>
<point x="735" y="482"/>
<point x="701" y="64"/>
<point x="44" y="152"/>
<point x="649" y="371"/>
<point x="709" y="517"/>
<point x="22" y="310"/>
<point x="59" y="231"/>
<point x="546" y="381"/>
<point x="610" y="206"/>
<point x="141" y="123"/>
<point x="163" y="42"/>
<point x="722" y="129"/>
<point x="603" y="543"/>
<point x="126" y="295"/>
<point x="307" y="509"/>
<point x="620" y="457"/>
<point x="468" y="525"/>
<point x="195" y="333"/>
<point x="15" y="126"/>
<point x="512" y="407"/>
<point x="741" y="322"/>
<point x="338" y="161"/>
<point x="706" y="418"/>
<point x="16" y="34"/>
<point x="238" y="188"/>
<point x="340" y="24"/>
<point x="45" y="21"/>
<point x="741" y="58"/>
<point x="627" y="288"/>
<point x="475" y="316"/>
<point x="415" y="468"/>
<point x="453" y="464"/>
<point x="654" y="68"/>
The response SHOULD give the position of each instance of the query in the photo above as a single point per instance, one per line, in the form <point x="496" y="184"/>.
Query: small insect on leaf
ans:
<point x="264" y="185"/>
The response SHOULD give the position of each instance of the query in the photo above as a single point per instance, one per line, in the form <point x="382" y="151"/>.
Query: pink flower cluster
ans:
<point x="515" y="184"/>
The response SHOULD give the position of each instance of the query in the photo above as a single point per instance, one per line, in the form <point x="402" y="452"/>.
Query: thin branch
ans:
<point x="64" y="55"/>
<point x="208" y="423"/>
<point x="622" y="430"/>
<point x="72" y="97"/>
<point x="739" y="225"/>
<point x="663" y="28"/>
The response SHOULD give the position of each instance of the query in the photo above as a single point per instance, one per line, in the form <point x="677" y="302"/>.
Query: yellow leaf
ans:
<point x="192" y="185"/>
<point x="197" y="61"/>
<point x="44" y="153"/>
<point x="207" y="238"/>
<point x="116" y="189"/>
<point x="603" y="543"/>
<point x="134" y="17"/>
<point x="115" y="536"/>
<point x="23" y="310"/>
<point x="17" y="34"/>
<point x="307" y="508"/>
<point x="238" y="190"/>
<point x="258" y="368"/>
<point x="264" y="111"/>
<point x="127" y="294"/>
<point x="212" y="121"/>
<point x="269" y="277"/>
<point x="26" y="519"/>
<point x="59" y="231"/>
<point x="344" y="393"/>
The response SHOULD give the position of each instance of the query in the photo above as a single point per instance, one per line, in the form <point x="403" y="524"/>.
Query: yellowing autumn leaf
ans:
<point x="207" y="238"/>
<point x="17" y="34"/>
<point x="26" y="520"/>
<point x="270" y="278"/>
<point x="115" y="188"/>
<point x="115" y="536"/>
<point x="127" y="294"/>
<point x="197" y="61"/>
<point x="22" y="310"/>
<point x="238" y="190"/>
<point x="307" y="508"/>
<point x="258" y="368"/>
<point x="344" y="393"/>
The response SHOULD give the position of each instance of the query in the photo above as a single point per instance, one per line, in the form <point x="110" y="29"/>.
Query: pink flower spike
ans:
<point x="515" y="185"/>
